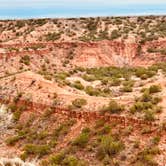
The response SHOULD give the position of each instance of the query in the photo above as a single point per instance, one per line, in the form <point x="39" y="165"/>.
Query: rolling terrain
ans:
<point x="83" y="92"/>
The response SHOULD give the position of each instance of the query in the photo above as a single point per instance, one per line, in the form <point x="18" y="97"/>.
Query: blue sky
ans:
<point x="10" y="9"/>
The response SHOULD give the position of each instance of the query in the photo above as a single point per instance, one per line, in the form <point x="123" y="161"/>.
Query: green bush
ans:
<point x="57" y="158"/>
<point x="155" y="89"/>
<point x="156" y="140"/>
<point x="89" y="78"/>
<point x="137" y="107"/>
<point x="52" y="36"/>
<point x="105" y="130"/>
<point x="113" y="107"/>
<point x="128" y="83"/>
<point x="78" y="85"/>
<point x="17" y="115"/>
<point x="71" y="161"/>
<point x="158" y="109"/>
<point x="115" y="82"/>
<point x="149" y="115"/>
<point x="108" y="146"/>
<point x="62" y="159"/>
<point x="82" y="139"/>
<point x="144" y="73"/>
<point x="92" y="91"/>
<point x="63" y="129"/>
<point x="146" y="97"/>
<point x="25" y="60"/>
<point x="12" y="140"/>
<point x="140" y="106"/>
<point x="147" y="156"/>
<point x="48" y="112"/>
<point x="78" y="103"/>
<point x="62" y="75"/>
<point x="40" y="150"/>
<point x="12" y="107"/>
<point x="115" y="34"/>
<point x="126" y="89"/>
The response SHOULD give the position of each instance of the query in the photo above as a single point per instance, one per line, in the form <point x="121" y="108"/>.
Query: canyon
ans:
<point x="83" y="92"/>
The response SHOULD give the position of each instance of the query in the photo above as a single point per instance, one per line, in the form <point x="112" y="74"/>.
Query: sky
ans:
<point x="18" y="9"/>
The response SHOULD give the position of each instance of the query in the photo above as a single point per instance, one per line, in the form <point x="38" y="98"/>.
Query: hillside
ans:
<point x="83" y="92"/>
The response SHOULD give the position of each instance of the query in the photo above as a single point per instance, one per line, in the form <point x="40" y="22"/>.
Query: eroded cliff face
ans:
<point x="93" y="54"/>
<point x="106" y="53"/>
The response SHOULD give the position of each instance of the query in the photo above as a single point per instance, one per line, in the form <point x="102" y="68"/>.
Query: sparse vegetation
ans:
<point x="25" y="60"/>
<point x="68" y="106"/>
<point x="78" y="103"/>
<point x="113" y="107"/>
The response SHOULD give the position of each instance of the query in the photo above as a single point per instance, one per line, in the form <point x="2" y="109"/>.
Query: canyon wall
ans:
<point x="95" y="54"/>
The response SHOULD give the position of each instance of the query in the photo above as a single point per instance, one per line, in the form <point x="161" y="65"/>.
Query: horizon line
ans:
<point x="84" y="16"/>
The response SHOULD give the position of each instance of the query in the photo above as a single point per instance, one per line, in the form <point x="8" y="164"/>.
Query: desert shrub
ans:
<point x="25" y="60"/>
<point x="144" y="73"/>
<point x="146" y="97"/>
<point x="89" y="78"/>
<point x="99" y="123"/>
<point x="92" y="91"/>
<point x="149" y="115"/>
<point x="24" y="156"/>
<point x="78" y="85"/>
<point x="156" y="140"/>
<point x="154" y="50"/>
<point x="128" y="83"/>
<point x="63" y="129"/>
<point x="72" y="161"/>
<point x="158" y="109"/>
<point x="62" y="75"/>
<point x="16" y="110"/>
<point x="126" y="89"/>
<point x="115" y="34"/>
<point x="82" y="140"/>
<point x="62" y="159"/>
<point x="155" y="89"/>
<point x="17" y="115"/>
<point x="92" y="25"/>
<point x="115" y="82"/>
<point x="57" y="158"/>
<point x="39" y="22"/>
<point x="39" y="150"/>
<point x="12" y="107"/>
<point x="48" y="112"/>
<point x="140" y="106"/>
<point x="108" y="146"/>
<point x="12" y="140"/>
<point x="147" y="156"/>
<point x="113" y="107"/>
<point x="52" y="36"/>
<point x="20" y="24"/>
<point x="78" y="103"/>
<point x="156" y="100"/>
<point x="105" y="130"/>
<point x="137" y="107"/>
<point x="48" y="77"/>
<point x="42" y="135"/>
<point x="146" y="130"/>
